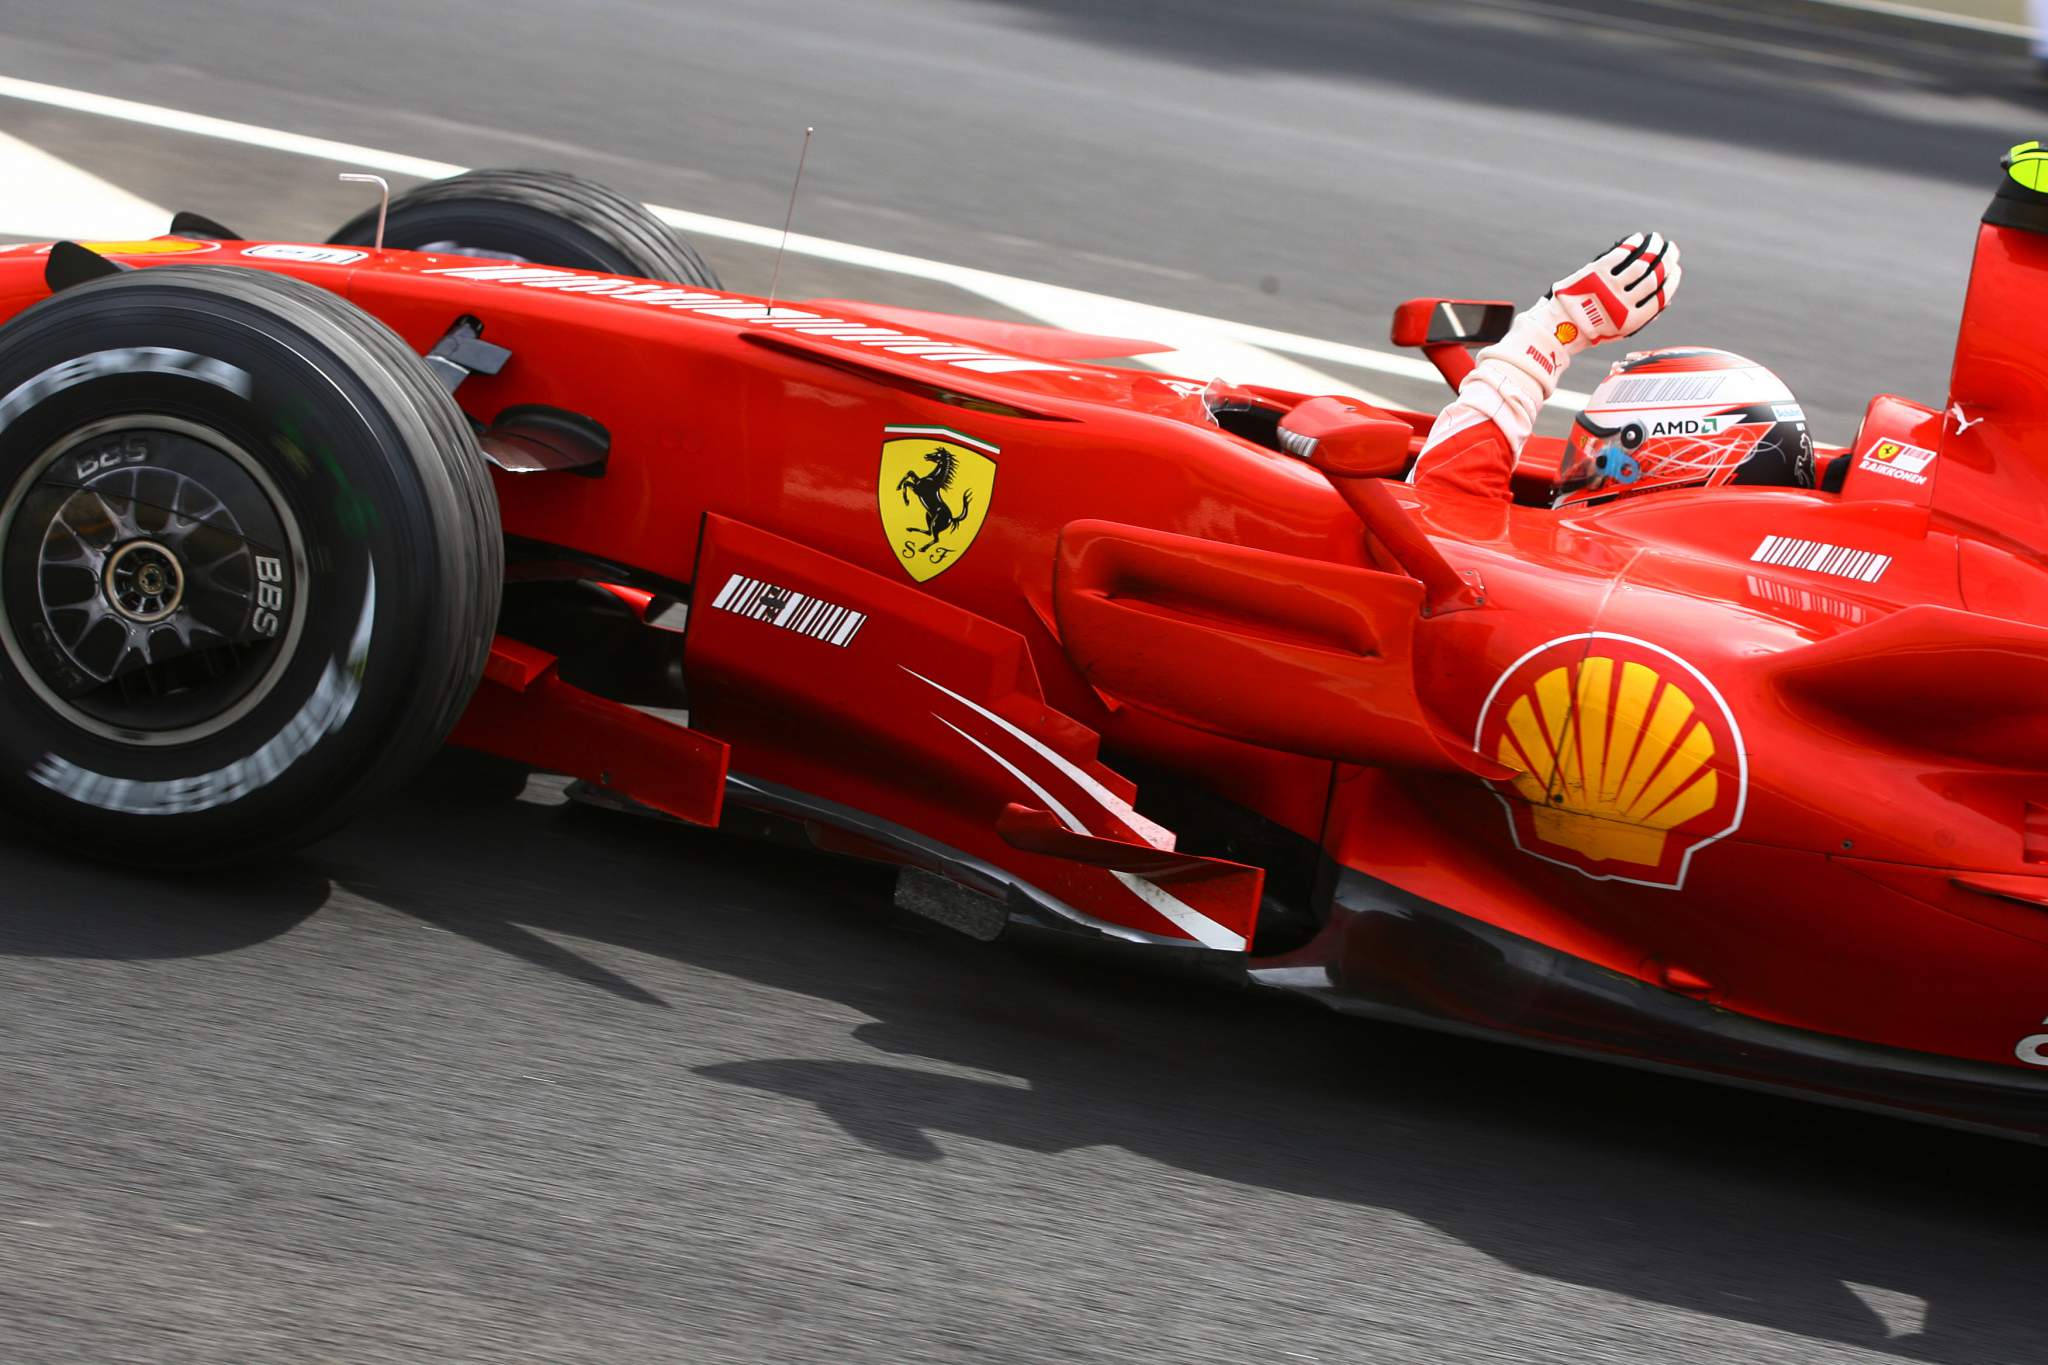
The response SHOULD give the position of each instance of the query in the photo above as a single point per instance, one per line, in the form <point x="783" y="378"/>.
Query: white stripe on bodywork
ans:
<point x="1189" y="920"/>
<point x="1154" y="834"/>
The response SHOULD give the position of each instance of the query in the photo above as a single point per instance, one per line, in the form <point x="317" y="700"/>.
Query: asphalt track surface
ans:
<point x="490" y="1077"/>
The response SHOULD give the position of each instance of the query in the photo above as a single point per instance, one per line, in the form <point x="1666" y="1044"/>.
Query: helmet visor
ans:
<point x="1597" y="459"/>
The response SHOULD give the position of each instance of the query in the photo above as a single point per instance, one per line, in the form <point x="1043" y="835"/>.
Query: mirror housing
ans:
<point x="1447" y="329"/>
<point x="1358" y="448"/>
<point x="1451" y="322"/>
<point x="1347" y="439"/>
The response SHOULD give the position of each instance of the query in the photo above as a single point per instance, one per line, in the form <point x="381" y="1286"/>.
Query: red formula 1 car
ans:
<point x="1750" y="782"/>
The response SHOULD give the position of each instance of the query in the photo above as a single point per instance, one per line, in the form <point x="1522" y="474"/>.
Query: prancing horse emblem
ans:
<point x="930" y="490"/>
<point x="933" y="495"/>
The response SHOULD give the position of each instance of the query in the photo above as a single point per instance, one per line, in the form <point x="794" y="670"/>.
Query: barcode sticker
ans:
<point x="1663" y="388"/>
<point x="804" y="614"/>
<point x="1865" y="566"/>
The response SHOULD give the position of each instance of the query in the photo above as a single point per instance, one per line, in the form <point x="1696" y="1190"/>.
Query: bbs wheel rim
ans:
<point x="152" y="580"/>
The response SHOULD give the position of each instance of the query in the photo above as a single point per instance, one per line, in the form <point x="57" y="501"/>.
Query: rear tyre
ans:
<point x="546" y="217"/>
<point x="249" y="564"/>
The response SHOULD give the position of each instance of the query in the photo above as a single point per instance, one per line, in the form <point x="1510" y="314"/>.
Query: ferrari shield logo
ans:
<point x="933" y="494"/>
<point x="1629" y="762"/>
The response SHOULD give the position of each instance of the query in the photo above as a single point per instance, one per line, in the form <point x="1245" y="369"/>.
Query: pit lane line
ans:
<point x="1199" y="345"/>
<point x="49" y="197"/>
<point x="1892" y="10"/>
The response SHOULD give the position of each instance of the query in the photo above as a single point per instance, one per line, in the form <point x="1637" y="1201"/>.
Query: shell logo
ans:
<point x="1629" y="762"/>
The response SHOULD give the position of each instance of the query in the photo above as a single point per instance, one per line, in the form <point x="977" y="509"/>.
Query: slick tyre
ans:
<point x="250" y="564"/>
<point x="545" y="217"/>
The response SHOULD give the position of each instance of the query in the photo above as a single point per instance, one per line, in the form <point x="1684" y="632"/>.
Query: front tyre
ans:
<point x="543" y="217"/>
<point x="249" y="564"/>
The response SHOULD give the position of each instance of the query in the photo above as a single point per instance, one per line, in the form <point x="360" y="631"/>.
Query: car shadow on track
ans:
<point x="1760" y="1210"/>
<point x="59" y="905"/>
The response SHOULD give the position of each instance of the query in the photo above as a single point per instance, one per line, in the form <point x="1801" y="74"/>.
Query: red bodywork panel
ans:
<point x="1337" y="642"/>
<point x="1780" y="751"/>
<point x="524" y="711"/>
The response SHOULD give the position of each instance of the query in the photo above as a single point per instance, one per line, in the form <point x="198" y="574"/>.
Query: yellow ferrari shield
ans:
<point x="933" y="493"/>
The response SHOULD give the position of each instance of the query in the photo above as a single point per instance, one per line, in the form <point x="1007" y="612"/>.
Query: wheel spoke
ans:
<point x="145" y="579"/>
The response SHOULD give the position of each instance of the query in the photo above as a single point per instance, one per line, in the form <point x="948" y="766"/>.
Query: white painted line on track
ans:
<point x="1203" y="347"/>
<point x="223" y="130"/>
<point x="1893" y="10"/>
<point x="48" y="198"/>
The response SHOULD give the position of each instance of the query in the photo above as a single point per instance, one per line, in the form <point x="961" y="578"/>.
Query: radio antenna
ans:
<point x="788" y="217"/>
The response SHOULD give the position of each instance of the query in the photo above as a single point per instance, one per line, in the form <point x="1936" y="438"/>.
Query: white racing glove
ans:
<point x="1617" y="295"/>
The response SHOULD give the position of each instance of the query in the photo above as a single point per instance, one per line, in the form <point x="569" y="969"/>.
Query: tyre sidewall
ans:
<point x="490" y="229"/>
<point x="334" y="453"/>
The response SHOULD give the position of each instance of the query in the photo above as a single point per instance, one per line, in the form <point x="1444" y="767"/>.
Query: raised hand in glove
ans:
<point x="1618" y="294"/>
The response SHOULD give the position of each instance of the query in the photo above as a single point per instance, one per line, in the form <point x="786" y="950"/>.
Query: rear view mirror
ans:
<point x="1451" y="322"/>
<point x="1448" y="329"/>
<point x="1347" y="439"/>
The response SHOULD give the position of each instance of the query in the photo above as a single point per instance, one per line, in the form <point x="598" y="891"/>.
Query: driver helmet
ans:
<point x="1685" y="417"/>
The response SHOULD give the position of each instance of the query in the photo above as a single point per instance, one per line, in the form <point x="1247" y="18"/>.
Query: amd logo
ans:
<point x="1686" y="426"/>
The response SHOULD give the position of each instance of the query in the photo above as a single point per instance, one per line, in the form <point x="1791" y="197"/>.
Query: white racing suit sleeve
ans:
<point x="1516" y="375"/>
<point x="1508" y="386"/>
